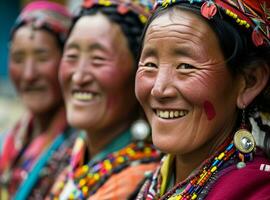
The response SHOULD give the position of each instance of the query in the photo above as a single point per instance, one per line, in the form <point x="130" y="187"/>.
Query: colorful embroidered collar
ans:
<point x="83" y="180"/>
<point x="195" y="186"/>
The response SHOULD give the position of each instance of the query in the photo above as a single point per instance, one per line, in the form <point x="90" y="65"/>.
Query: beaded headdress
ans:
<point x="251" y="14"/>
<point x="51" y="15"/>
<point x="140" y="7"/>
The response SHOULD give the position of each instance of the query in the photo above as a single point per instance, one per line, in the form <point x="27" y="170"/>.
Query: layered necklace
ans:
<point x="90" y="177"/>
<point x="196" y="185"/>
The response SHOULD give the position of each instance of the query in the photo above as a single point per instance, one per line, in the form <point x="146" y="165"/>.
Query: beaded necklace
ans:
<point x="90" y="177"/>
<point x="194" y="185"/>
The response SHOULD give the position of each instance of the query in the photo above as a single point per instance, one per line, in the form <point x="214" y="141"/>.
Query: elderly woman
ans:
<point x="97" y="76"/>
<point x="31" y="152"/>
<point x="203" y="76"/>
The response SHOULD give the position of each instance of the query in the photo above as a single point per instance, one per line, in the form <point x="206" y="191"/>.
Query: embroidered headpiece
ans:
<point x="140" y="7"/>
<point x="251" y="14"/>
<point x="45" y="14"/>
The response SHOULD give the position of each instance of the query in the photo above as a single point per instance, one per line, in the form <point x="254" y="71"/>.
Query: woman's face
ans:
<point x="97" y="75"/>
<point x="33" y="65"/>
<point x="183" y="84"/>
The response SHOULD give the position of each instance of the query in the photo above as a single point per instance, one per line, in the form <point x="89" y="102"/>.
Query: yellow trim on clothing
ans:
<point x="166" y="171"/>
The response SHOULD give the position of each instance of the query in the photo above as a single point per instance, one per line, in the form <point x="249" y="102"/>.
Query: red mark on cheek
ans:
<point x="209" y="110"/>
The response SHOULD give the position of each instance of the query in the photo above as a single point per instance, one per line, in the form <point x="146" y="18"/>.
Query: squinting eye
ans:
<point x="185" y="66"/>
<point x="71" y="56"/>
<point x="17" y="59"/>
<point x="149" y="64"/>
<point x="98" y="59"/>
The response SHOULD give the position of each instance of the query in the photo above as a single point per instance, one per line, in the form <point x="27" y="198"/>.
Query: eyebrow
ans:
<point x="183" y="51"/>
<point x="40" y="51"/>
<point x="71" y="46"/>
<point x="92" y="47"/>
<point x="96" y="46"/>
<point x="36" y="51"/>
<point x="149" y="52"/>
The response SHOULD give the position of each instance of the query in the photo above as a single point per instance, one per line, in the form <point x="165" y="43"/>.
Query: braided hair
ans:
<point x="129" y="22"/>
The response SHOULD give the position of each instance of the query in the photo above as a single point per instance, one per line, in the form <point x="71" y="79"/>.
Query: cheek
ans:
<point x="113" y="80"/>
<point x="65" y="72"/>
<point x="116" y="84"/>
<point x="209" y="110"/>
<point x="195" y="95"/>
<point x="202" y="95"/>
<point x="15" y="74"/>
<point x="202" y="87"/>
<point x="52" y="74"/>
<point x="143" y="86"/>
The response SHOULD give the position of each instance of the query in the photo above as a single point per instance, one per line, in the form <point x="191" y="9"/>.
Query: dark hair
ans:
<point x="59" y="38"/>
<point x="239" y="52"/>
<point x="129" y="22"/>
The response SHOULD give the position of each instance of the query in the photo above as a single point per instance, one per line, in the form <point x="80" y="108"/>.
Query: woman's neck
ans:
<point x="98" y="140"/>
<point x="42" y="121"/>
<point x="185" y="164"/>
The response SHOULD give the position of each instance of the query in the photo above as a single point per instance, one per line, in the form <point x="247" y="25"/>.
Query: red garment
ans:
<point x="249" y="183"/>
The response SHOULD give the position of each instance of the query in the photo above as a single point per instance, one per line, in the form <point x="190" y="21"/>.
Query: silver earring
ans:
<point x="244" y="142"/>
<point x="243" y="138"/>
<point x="140" y="129"/>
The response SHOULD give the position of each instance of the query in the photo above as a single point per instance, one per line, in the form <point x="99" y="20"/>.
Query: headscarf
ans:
<point x="131" y="15"/>
<point x="44" y="14"/>
<point x="140" y="7"/>
<point x="252" y="15"/>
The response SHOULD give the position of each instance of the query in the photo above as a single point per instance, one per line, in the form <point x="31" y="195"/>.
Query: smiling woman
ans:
<point x="203" y="72"/>
<point x="97" y="77"/>
<point x="39" y="142"/>
<point x="34" y="60"/>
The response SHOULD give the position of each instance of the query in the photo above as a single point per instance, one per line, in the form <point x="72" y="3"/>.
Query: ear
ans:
<point x="253" y="82"/>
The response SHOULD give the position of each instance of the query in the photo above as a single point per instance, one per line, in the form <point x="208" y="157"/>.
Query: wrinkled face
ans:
<point x="185" y="89"/>
<point x="97" y="75"/>
<point x="33" y="65"/>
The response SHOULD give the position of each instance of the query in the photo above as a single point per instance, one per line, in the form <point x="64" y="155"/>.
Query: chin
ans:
<point x="162" y="144"/>
<point x="77" y="120"/>
<point x="169" y="145"/>
<point x="38" y="109"/>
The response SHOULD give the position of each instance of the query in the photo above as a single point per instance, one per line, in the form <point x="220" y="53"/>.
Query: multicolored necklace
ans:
<point x="194" y="185"/>
<point x="90" y="177"/>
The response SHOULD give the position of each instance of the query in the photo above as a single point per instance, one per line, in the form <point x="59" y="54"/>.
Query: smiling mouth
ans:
<point x="83" y="96"/>
<point x="171" y="114"/>
<point x="34" y="89"/>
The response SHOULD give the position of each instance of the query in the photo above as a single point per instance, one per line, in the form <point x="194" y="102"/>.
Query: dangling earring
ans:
<point x="140" y="129"/>
<point x="244" y="142"/>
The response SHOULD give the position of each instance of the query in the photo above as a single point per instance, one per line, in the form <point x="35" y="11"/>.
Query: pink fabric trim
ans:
<point x="250" y="182"/>
<point x="46" y="5"/>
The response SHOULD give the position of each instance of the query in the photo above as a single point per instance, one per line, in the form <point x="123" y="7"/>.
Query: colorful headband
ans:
<point x="251" y="14"/>
<point x="140" y="7"/>
<point x="46" y="14"/>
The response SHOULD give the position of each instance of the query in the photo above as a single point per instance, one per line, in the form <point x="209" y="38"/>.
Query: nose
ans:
<point x="82" y="73"/>
<point x="29" y="71"/>
<point x="163" y="87"/>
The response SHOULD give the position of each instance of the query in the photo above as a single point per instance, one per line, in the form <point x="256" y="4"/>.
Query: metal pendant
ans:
<point x="244" y="141"/>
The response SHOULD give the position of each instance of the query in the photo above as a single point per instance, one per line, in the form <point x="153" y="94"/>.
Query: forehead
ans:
<point x="97" y="27"/>
<point x="181" y="23"/>
<point x="27" y="37"/>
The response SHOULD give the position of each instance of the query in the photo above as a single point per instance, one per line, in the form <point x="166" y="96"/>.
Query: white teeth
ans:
<point x="83" y="96"/>
<point x="170" y="114"/>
